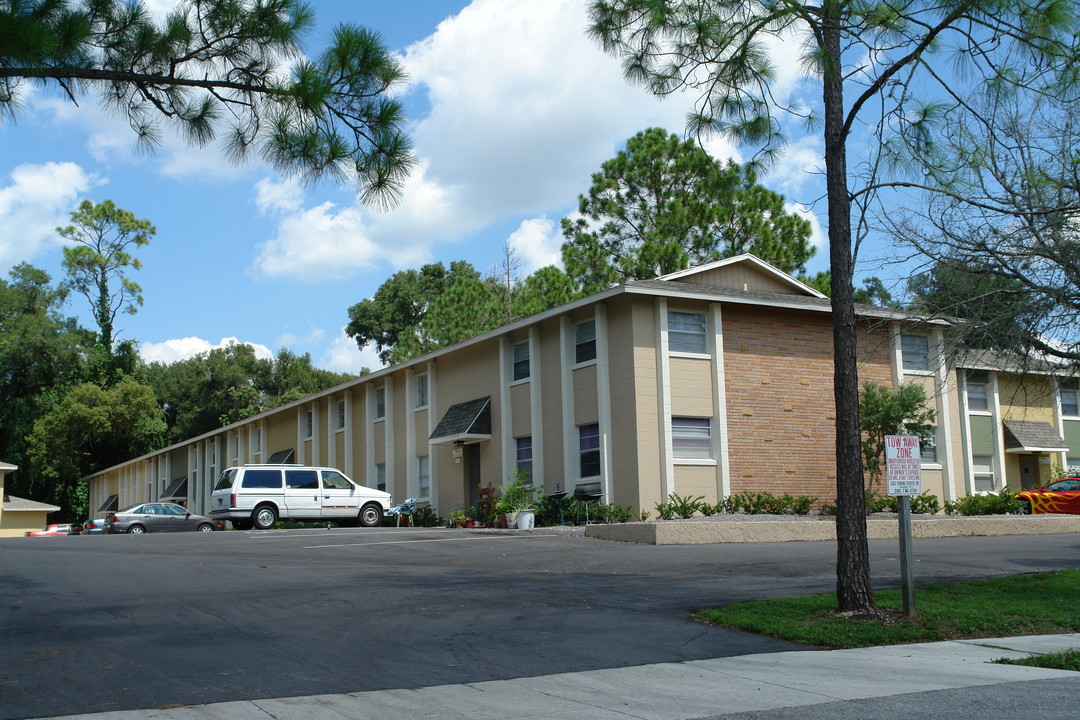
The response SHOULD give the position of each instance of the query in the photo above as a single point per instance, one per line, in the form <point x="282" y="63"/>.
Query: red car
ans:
<point x="57" y="530"/>
<point x="1060" y="496"/>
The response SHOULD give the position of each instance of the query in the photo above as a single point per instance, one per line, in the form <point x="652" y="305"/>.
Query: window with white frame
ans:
<point x="1069" y="398"/>
<point x="982" y="467"/>
<point x="524" y="460"/>
<point x="340" y="414"/>
<point x="423" y="475"/>
<point x="585" y="341"/>
<point x="380" y="403"/>
<point x="691" y="437"/>
<point x="309" y="424"/>
<point x="234" y="446"/>
<point x="380" y="476"/>
<point x="978" y="395"/>
<point x="589" y="448"/>
<point x="421" y="391"/>
<point x="256" y="439"/>
<point x="928" y="449"/>
<point x="521" y="360"/>
<point x="915" y="352"/>
<point x="686" y="332"/>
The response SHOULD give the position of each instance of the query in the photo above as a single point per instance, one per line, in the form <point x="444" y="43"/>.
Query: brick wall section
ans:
<point x="781" y="418"/>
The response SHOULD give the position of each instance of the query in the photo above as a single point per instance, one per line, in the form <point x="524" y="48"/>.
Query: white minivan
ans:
<point x="258" y="495"/>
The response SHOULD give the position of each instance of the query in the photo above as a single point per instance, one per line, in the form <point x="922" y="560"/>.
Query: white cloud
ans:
<point x="171" y="351"/>
<point x="277" y="196"/>
<point x="538" y="242"/>
<point x="818" y="238"/>
<point x="344" y="356"/>
<point x="38" y="199"/>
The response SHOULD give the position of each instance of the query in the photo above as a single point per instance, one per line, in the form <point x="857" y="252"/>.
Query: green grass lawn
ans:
<point x="1036" y="604"/>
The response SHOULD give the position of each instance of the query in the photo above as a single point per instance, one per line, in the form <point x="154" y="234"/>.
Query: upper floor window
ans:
<point x="978" y="397"/>
<point x="521" y="360"/>
<point x="686" y="332"/>
<point x="915" y="351"/>
<point x="589" y="447"/>
<point x="928" y="449"/>
<point x="691" y="437"/>
<point x="423" y="475"/>
<point x="256" y="439"/>
<point x="380" y="402"/>
<point x="421" y="391"/>
<point x="1069" y="399"/>
<point x="309" y="424"/>
<point x="585" y="341"/>
<point x="341" y="415"/>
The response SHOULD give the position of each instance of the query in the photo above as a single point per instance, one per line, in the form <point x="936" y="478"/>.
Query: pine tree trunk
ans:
<point x="853" y="590"/>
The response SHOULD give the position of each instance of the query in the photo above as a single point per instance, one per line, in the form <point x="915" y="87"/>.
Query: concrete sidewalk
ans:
<point x="669" y="691"/>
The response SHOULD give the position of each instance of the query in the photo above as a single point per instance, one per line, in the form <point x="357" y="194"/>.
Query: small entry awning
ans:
<point x="281" y="457"/>
<point x="111" y="504"/>
<point x="177" y="490"/>
<point x="464" y="422"/>
<point x="1026" y="436"/>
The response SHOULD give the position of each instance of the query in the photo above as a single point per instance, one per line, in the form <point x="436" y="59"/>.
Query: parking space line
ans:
<point x="271" y="534"/>
<point x="405" y="542"/>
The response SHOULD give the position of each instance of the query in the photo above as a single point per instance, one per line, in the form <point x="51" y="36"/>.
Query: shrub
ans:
<point x="426" y="517"/>
<point x="1002" y="502"/>
<point x="925" y="504"/>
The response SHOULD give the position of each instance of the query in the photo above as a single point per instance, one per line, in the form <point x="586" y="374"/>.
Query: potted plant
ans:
<point x="518" y="498"/>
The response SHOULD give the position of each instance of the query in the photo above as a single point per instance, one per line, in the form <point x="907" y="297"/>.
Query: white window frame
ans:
<point x="685" y="341"/>
<point x="340" y="416"/>
<point x="380" y="477"/>
<point x="582" y="342"/>
<point x="1070" y="408"/>
<point x="380" y="403"/>
<point x="523" y="447"/>
<point x="423" y="476"/>
<point x="583" y="451"/>
<point x="421" y="391"/>
<point x="519" y="362"/>
<point x="912" y="359"/>
<point x="984" y="471"/>
<point x="691" y="439"/>
<point x="982" y="396"/>
<point x="309" y="424"/>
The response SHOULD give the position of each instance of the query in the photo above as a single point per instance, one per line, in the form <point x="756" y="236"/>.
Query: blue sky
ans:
<point x="511" y="108"/>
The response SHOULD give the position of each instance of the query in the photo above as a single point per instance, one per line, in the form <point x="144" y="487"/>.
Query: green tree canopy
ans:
<point x="884" y="411"/>
<point x="41" y="353"/>
<point x="663" y="204"/>
<point x="232" y="68"/>
<point x="97" y="262"/>
<point x="88" y="429"/>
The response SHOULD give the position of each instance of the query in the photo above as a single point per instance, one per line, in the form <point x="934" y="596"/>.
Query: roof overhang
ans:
<point x="464" y="423"/>
<point x="1026" y="436"/>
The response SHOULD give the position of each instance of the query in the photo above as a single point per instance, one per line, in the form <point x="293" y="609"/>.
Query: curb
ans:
<point x="706" y="532"/>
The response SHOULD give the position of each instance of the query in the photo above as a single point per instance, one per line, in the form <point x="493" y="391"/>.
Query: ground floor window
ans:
<point x="524" y="460"/>
<point x="691" y="437"/>
<point x="589" y="446"/>
<point x="983" y="468"/>
<point x="424" y="476"/>
<point x="380" y="476"/>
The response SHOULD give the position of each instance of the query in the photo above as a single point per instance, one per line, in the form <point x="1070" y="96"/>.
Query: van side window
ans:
<point x="262" y="479"/>
<point x="226" y="480"/>
<point x="302" y="479"/>
<point x="335" y="480"/>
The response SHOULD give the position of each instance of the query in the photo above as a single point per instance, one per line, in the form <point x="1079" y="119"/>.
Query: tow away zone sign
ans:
<point x="903" y="464"/>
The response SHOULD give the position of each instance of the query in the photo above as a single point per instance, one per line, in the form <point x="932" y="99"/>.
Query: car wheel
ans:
<point x="205" y="527"/>
<point x="371" y="516"/>
<point x="264" y="518"/>
<point x="241" y="524"/>
<point x="136" y="530"/>
<point x="1024" y="509"/>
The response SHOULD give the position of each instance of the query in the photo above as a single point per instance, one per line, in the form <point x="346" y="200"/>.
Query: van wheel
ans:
<point x="264" y="517"/>
<point x="371" y="516"/>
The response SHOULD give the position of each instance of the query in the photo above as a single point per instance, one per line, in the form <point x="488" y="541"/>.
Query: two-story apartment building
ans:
<point x="710" y="381"/>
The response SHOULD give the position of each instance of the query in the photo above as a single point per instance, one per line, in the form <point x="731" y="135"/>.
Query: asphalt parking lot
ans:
<point x="120" y="622"/>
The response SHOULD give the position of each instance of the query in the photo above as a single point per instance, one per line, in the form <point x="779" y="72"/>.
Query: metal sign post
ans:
<point x="903" y="463"/>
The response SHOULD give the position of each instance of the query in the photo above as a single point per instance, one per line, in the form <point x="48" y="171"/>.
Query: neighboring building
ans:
<point x="18" y="515"/>
<point x="709" y="381"/>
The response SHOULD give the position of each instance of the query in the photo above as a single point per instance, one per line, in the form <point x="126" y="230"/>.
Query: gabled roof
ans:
<point x="748" y="261"/>
<point x="18" y="504"/>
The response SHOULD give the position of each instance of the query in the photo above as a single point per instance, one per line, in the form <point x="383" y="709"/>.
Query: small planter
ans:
<point x="526" y="519"/>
